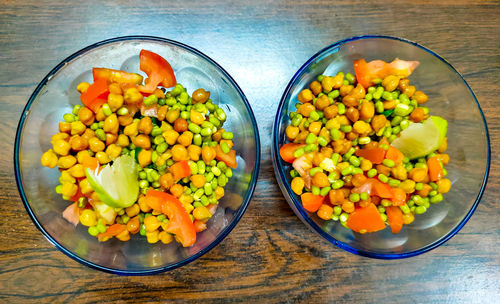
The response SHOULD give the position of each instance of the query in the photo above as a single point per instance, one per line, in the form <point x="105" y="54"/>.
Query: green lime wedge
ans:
<point x="420" y="139"/>
<point x="117" y="185"/>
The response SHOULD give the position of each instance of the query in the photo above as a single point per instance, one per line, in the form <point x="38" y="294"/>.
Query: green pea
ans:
<point x="194" y="128"/>
<point x="314" y="116"/>
<point x="335" y="157"/>
<point x="386" y="203"/>
<point x="364" y="196"/>
<point x="402" y="109"/>
<point x="369" y="96"/>
<point x="143" y="184"/>
<point x="334" y="94"/>
<point x="354" y="197"/>
<point x="346" y="128"/>
<point x="227" y="135"/>
<point x="354" y="161"/>
<point x="214" y="121"/>
<point x="142" y="175"/>
<point x="396" y="130"/>
<point x="349" y="153"/>
<point x="334" y="134"/>
<point x="208" y="188"/>
<point x="381" y="209"/>
<point x="68" y="117"/>
<point x="388" y="162"/>
<point x="337" y="210"/>
<point x="322" y="141"/>
<point x="387" y="96"/>
<point x="59" y="189"/>
<point x="350" y="77"/>
<point x="216" y="171"/>
<point x="364" y="140"/>
<point x="197" y="140"/>
<point x="433" y="185"/>
<point x="337" y="184"/>
<point x="93" y="231"/>
<point x="315" y="190"/>
<point x="206" y="132"/>
<point x="298" y="153"/>
<point x="333" y="176"/>
<point x="315" y="170"/>
<point x="311" y="138"/>
<point x="383" y="178"/>
<point x="396" y="121"/>
<point x="405" y="209"/>
<point x="229" y="172"/>
<point x="99" y="133"/>
<point x="311" y="148"/>
<point x="347" y="170"/>
<point x="378" y="93"/>
<point x="106" y="109"/>
<point x="436" y="198"/>
<point x="394" y="182"/>
<point x="379" y="107"/>
<point x="101" y="227"/>
<point x="404" y="124"/>
<point x="296" y="120"/>
<point x="344" y="217"/>
<point x="420" y="209"/>
<point x="341" y="108"/>
<point x="294" y="173"/>
<point x="371" y="90"/>
<point x="220" y="114"/>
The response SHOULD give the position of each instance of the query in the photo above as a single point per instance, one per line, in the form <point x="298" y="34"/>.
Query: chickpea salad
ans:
<point x="364" y="150"/>
<point x="136" y="158"/>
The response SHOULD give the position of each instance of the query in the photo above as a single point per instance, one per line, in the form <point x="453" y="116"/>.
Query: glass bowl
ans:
<point x="450" y="97"/>
<point x="57" y="94"/>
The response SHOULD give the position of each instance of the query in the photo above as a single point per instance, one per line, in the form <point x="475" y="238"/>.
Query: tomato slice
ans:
<point x="311" y="202"/>
<point x="228" y="158"/>
<point x="375" y="155"/>
<point x="179" y="223"/>
<point x="158" y="70"/>
<point x="96" y="95"/>
<point x="117" y="76"/>
<point x="366" y="219"/>
<point x="180" y="170"/>
<point x="287" y="151"/>
<point x="367" y="72"/>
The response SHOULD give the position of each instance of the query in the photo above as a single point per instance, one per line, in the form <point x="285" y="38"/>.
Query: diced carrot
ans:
<point x="311" y="202"/>
<point x="367" y="219"/>
<point x="435" y="170"/>
<point x="375" y="155"/>
<point x="228" y="158"/>
<point x="325" y="212"/>
<point x="395" y="218"/>
<point x="398" y="197"/>
<point x="180" y="170"/>
<point x="287" y="151"/>
<point x="381" y="189"/>
<point x="395" y="155"/>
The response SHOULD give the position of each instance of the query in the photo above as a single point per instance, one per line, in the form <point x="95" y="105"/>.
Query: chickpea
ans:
<point x="301" y="137"/>
<point x="194" y="152"/>
<point x="61" y="146"/>
<point x="162" y="112"/>
<point x="352" y="114"/>
<point x="180" y="125"/>
<point x="306" y="109"/>
<point x="66" y="162"/>
<point x="345" y="89"/>
<point x="365" y="164"/>
<point x="337" y="81"/>
<point x="348" y="206"/>
<point x="408" y="218"/>
<point x="327" y="84"/>
<point x="115" y="88"/>
<point x="96" y="145"/>
<point x="327" y="152"/>
<point x="170" y="137"/>
<point x="358" y="92"/>
<point x="362" y="127"/>
<point x="408" y="186"/>
<point x="341" y="146"/>
<point x="145" y="125"/>
<point x="350" y="101"/>
<point x="159" y="93"/>
<point x="389" y="104"/>
<point x="144" y="157"/>
<point x="77" y="127"/>
<point x="207" y="154"/>
<point x="444" y="158"/>
<point x="77" y="171"/>
<point x="324" y="133"/>
<point x="399" y="172"/>
<point x="305" y="96"/>
<point x="417" y="115"/>
<point x="390" y="83"/>
<point x="330" y="111"/>
<point x="424" y="192"/>
<point x="367" y="110"/>
<point x="142" y="141"/>
<point x="383" y="170"/>
<point x="418" y="174"/>
<point x="444" y="185"/>
<point x="100" y="116"/>
<point x="336" y="196"/>
<point x="320" y="179"/>
<point x="198" y="180"/>
<point x="322" y="102"/>
<point x="111" y="124"/>
<point x="443" y="147"/>
<point x="49" y="159"/>
<point x="125" y="120"/>
<point x="409" y="91"/>
<point x="420" y="97"/>
<point x="352" y="135"/>
<point x="200" y="96"/>
<point x="82" y="156"/>
<point x="102" y="157"/>
<point x="403" y="84"/>
<point x="179" y="153"/>
<point x="123" y="140"/>
<point x="64" y="127"/>
<point x="69" y="189"/>
<point x="78" y="143"/>
<point x="86" y="116"/>
<point x="85" y="186"/>
<point x="151" y="223"/>
<point x="82" y="87"/>
<point x="315" y="127"/>
<point x="196" y="117"/>
<point x="132" y="96"/>
<point x="58" y="136"/>
<point x="358" y="180"/>
<point x="172" y="115"/>
<point x="291" y="132"/>
<point x="378" y="122"/>
<point x="167" y="180"/>
<point x="113" y="151"/>
<point x="185" y="138"/>
<point x="115" y="101"/>
<point x="132" y="129"/>
<point x="315" y="87"/>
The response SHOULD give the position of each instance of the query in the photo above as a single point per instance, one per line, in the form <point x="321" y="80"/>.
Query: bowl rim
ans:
<point x="286" y="189"/>
<point x="224" y="232"/>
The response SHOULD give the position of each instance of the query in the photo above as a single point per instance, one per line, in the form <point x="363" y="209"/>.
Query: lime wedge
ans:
<point x="420" y="139"/>
<point x="117" y="185"/>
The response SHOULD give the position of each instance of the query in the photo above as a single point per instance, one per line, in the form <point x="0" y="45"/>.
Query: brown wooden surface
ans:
<point x="270" y="256"/>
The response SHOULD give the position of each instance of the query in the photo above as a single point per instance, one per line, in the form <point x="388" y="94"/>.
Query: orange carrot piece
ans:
<point x="228" y="158"/>
<point x="435" y="170"/>
<point x="395" y="218"/>
<point x="311" y="202"/>
<point x="398" y="197"/>
<point x="375" y="155"/>
<point x="287" y="151"/>
<point x="395" y="155"/>
<point x="366" y="219"/>
<point x="381" y="189"/>
<point x="180" y="170"/>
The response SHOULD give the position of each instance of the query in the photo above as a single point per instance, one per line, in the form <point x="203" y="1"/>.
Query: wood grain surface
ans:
<point x="270" y="256"/>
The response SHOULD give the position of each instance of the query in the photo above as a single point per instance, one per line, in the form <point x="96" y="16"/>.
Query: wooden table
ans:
<point x="270" y="256"/>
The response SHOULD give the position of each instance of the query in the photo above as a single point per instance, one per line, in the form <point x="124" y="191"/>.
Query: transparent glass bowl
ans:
<point x="468" y="146"/>
<point x="57" y="94"/>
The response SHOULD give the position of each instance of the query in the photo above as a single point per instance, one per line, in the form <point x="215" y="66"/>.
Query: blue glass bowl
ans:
<point x="57" y="94"/>
<point x="468" y="146"/>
